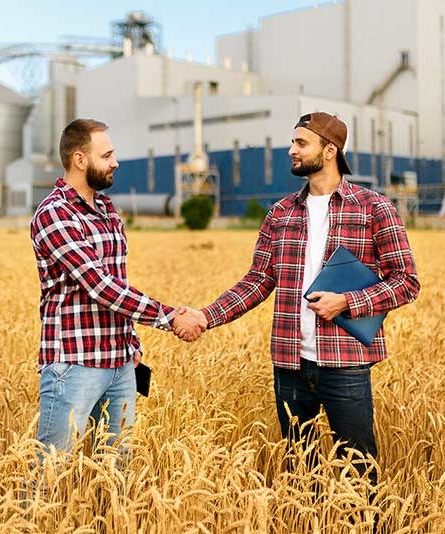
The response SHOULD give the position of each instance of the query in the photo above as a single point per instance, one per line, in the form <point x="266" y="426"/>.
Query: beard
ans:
<point x="309" y="167"/>
<point x="97" y="179"/>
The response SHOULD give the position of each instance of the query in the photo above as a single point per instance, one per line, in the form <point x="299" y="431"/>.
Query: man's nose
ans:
<point x="115" y="164"/>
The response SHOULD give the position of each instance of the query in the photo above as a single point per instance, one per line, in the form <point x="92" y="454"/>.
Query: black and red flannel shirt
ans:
<point x="364" y="222"/>
<point x="87" y="306"/>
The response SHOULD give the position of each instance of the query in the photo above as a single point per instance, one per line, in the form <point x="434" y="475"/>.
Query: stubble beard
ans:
<point x="309" y="167"/>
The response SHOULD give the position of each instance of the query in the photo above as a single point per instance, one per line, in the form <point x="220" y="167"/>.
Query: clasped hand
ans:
<point x="327" y="304"/>
<point x="189" y="324"/>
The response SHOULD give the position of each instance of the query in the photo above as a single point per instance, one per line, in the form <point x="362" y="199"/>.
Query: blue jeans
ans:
<point x="70" y="393"/>
<point x="346" y="395"/>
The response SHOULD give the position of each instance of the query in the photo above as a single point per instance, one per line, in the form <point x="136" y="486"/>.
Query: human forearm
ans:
<point x="253" y="289"/>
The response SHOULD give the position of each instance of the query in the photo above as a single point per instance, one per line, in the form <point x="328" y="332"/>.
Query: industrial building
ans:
<point x="379" y="65"/>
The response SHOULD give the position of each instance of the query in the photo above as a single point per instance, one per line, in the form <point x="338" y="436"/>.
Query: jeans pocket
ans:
<point x="60" y="369"/>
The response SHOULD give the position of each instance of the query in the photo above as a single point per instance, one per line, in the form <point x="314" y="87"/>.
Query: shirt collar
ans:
<point x="344" y="191"/>
<point x="73" y="196"/>
<point x="68" y="192"/>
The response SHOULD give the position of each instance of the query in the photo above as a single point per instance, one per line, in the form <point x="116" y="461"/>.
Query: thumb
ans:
<point x="315" y="295"/>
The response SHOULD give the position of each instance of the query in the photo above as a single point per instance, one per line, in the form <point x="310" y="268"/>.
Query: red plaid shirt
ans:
<point x="87" y="306"/>
<point x="361" y="220"/>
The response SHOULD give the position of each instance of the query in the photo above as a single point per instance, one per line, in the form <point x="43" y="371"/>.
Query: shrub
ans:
<point x="255" y="211"/>
<point x="197" y="212"/>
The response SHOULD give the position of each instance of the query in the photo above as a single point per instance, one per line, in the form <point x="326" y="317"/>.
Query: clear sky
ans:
<point x="189" y="26"/>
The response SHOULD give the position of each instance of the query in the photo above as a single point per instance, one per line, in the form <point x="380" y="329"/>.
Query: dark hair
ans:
<point x="77" y="136"/>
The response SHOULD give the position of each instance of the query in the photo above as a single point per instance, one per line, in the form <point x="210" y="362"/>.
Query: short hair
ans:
<point x="77" y="136"/>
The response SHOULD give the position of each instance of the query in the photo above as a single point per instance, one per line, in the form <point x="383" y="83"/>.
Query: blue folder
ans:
<point x="344" y="272"/>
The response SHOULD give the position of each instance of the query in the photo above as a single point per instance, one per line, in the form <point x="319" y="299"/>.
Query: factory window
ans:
<point x="236" y="163"/>
<point x="70" y="103"/>
<point x="151" y="178"/>
<point x="18" y="198"/>
<point x="213" y="88"/>
<point x="268" y="169"/>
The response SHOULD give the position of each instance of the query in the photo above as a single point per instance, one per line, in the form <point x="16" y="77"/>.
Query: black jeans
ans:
<point x="345" y="394"/>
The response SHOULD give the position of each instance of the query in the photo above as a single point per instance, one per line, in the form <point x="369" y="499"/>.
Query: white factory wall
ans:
<point x="239" y="50"/>
<point x="306" y="51"/>
<point x="380" y="30"/>
<point x="110" y="87"/>
<point x="393" y="132"/>
<point x="155" y="76"/>
<point x="430" y="75"/>
<point x="298" y="54"/>
<point x="175" y="78"/>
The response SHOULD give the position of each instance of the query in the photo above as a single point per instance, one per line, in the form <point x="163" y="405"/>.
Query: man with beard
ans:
<point x="315" y="361"/>
<point x="89" y="347"/>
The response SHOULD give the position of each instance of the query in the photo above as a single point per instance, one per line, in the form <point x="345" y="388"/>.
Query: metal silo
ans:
<point x="14" y="109"/>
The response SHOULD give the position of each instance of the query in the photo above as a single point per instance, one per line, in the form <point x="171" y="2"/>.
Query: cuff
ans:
<point x="136" y="343"/>
<point x="214" y="314"/>
<point x="359" y="304"/>
<point x="165" y="318"/>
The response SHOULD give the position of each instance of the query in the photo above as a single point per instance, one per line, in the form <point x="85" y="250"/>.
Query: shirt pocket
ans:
<point x="288" y="242"/>
<point x="353" y="231"/>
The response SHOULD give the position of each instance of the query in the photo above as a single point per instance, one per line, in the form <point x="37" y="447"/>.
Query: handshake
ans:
<point x="189" y="324"/>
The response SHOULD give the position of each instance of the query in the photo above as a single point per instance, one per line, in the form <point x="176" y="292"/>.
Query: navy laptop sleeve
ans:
<point x="344" y="272"/>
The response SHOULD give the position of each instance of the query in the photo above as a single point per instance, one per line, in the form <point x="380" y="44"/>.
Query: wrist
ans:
<point x="343" y="303"/>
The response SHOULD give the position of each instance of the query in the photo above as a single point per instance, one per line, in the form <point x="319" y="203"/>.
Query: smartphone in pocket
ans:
<point x="143" y="375"/>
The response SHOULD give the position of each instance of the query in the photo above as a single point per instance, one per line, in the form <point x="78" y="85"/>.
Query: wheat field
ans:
<point x="206" y="454"/>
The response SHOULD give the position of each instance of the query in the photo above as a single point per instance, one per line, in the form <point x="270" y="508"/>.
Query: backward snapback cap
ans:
<point x="330" y="128"/>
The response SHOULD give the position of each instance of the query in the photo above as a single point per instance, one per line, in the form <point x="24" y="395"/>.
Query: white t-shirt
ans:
<point x="318" y="228"/>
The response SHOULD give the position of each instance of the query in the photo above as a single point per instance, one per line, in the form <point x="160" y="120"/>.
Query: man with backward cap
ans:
<point x="315" y="361"/>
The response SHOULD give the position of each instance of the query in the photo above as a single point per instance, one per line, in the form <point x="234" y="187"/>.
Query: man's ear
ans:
<point x="79" y="160"/>
<point x="330" y="151"/>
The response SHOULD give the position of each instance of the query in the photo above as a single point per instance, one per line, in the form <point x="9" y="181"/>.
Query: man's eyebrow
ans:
<point x="108" y="152"/>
